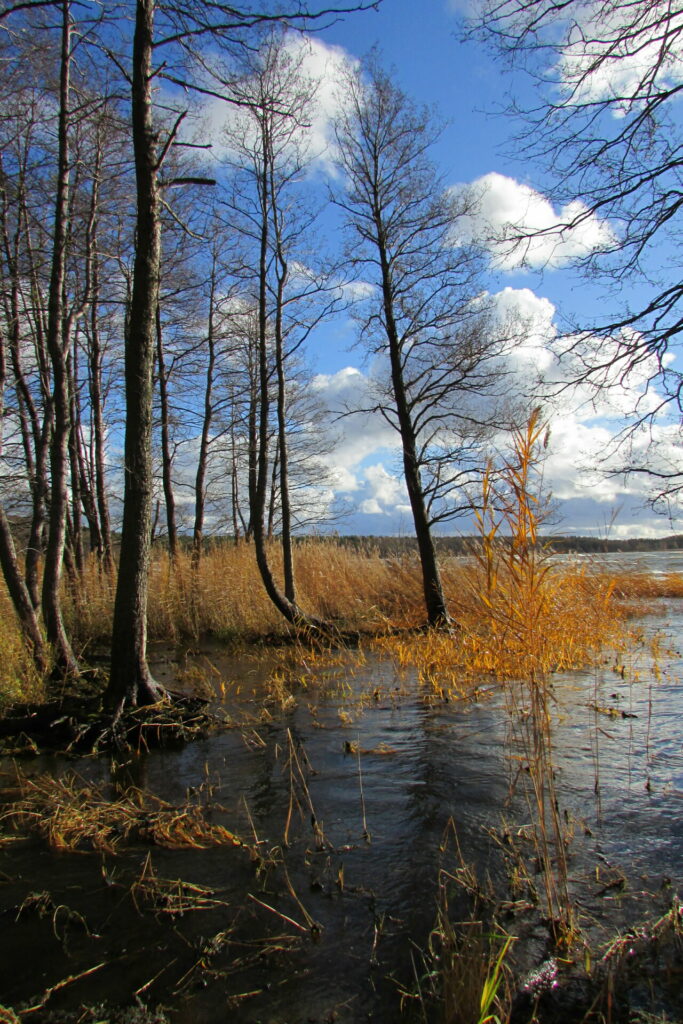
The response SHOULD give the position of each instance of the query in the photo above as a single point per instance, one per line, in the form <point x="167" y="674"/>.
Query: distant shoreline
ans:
<point x="462" y="545"/>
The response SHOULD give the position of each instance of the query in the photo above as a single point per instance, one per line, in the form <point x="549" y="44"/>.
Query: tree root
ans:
<point x="79" y="725"/>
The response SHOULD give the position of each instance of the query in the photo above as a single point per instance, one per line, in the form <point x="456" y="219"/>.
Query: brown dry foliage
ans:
<point x="578" y="619"/>
<point x="356" y="589"/>
<point x="71" y="814"/>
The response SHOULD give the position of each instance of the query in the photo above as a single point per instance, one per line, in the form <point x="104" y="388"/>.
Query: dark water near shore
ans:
<point x="385" y="770"/>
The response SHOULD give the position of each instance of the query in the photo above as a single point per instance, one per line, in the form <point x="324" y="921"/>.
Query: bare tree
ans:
<point x="130" y="681"/>
<point x="606" y="122"/>
<point x="267" y="140"/>
<point x="424" y="317"/>
<point x="48" y="257"/>
<point x="183" y="26"/>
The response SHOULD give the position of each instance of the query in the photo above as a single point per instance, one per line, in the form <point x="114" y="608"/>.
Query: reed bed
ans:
<point x="577" y="619"/>
<point x="223" y="596"/>
<point x="358" y="590"/>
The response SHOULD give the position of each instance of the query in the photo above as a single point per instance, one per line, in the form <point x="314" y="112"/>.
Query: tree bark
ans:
<point x="166" y="456"/>
<point x="283" y="443"/>
<point x="20" y="597"/>
<point x="57" y="339"/>
<point x="97" y="509"/>
<point x="130" y="680"/>
<point x="200" y="480"/>
<point x="95" y="386"/>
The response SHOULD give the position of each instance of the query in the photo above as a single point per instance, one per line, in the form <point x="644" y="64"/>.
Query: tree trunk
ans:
<point x="237" y="516"/>
<point x="166" y="457"/>
<point x="282" y="447"/>
<point x="96" y="402"/>
<point x="130" y="681"/>
<point x="435" y="602"/>
<point x="98" y="491"/>
<point x="20" y="597"/>
<point x="259" y="487"/>
<point x="78" y="498"/>
<point x="200" y="481"/>
<point x="34" y="442"/>
<point x="16" y="586"/>
<point x="57" y="340"/>
<point x="274" y="486"/>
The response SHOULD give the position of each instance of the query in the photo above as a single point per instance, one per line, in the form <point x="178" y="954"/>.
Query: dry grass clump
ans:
<point x="466" y="977"/>
<point x="574" y="620"/>
<point x="171" y="896"/>
<point x="19" y="680"/>
<point x="472" y="984"/>
<point x="356" y="586"/>
<point x="71" y="814"/>
<point x="645" y="584"/>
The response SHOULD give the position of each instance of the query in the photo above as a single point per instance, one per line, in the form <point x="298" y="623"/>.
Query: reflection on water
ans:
<point x="630" y="561"/>
<point x="380" y="773"/>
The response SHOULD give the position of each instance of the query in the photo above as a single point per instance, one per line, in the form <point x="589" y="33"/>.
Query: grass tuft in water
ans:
<point x="71" y="814"/>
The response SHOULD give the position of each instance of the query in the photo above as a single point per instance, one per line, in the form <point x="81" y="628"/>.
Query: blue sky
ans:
<point x="418" y="40"/>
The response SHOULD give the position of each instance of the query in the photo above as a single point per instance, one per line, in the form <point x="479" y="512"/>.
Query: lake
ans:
<point x="345" y="780"/>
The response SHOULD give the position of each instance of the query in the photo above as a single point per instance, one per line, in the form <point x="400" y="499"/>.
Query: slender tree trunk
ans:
<point x="16" y="586"/>
<point x="237" y="516"/>
<point x="41" y="488"/>
<point x="259" y="487"/>
<point x="33" y="441"/>
<point x="166" y="457"/>
<point x="82" y="470"/>
<point x="98" y="510"/>
<point x="285" y="504"/>
<point x="274" y="483"/>
<point x="130" y="680"/>
<point x="20" y="597"/>
<point x="253" y="441"/>
<point x="435" y="602"/>
<point x="77" y="497"/>
<point x="65" y="662"/>
<point x="200" y="481"/>
<point x="96" y="405"/>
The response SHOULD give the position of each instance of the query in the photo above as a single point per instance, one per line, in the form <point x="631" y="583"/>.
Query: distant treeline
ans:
<point x="394" y="547"/>
<point x="388" y="547"/>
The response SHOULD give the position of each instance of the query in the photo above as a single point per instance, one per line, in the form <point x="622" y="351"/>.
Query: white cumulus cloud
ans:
<point x="521" y="228"/>
<point x="616" y="51"/>
<point x="316" y="67"/>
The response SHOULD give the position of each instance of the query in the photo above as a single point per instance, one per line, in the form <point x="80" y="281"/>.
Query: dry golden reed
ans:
<point x="71" y="814"/>
<point x="356" y="589"/>
<point x="19" y="680"/>
<point x="576" y="620"/>
<point x="224" y="596"/>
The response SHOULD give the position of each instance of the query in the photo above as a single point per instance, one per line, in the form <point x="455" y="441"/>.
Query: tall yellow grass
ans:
<point x="358" y="590"/>
<point x="224" y="596"/>
<point x="19" y="680"/>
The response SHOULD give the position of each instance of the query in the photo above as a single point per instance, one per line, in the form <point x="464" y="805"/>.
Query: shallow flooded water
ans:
<point x="345" y="783"/>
